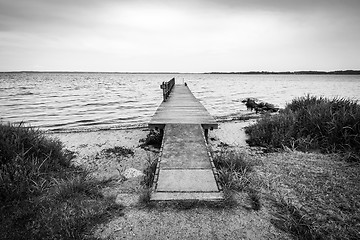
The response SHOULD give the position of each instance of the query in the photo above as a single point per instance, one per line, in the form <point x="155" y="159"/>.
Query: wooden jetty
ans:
<point x="185" y="170"/>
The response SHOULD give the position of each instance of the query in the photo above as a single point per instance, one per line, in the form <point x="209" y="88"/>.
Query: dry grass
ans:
<point x="316" y="196"/>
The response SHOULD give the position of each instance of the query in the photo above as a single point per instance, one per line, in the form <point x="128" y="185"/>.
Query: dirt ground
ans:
<point x="238" y="220"/>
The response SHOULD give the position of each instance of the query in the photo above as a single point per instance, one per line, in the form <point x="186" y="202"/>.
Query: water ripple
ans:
<point x="94" y="101"/>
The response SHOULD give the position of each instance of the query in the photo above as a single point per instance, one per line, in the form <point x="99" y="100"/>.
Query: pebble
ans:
<point x="132" y="173"/>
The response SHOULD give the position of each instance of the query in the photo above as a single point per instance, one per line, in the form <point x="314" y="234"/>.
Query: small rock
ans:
<point x="132" y="173"/>
<point x="126" y="199"/>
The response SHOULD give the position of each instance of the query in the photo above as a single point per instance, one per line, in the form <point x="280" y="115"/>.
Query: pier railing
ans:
<point x="167" y="87"/>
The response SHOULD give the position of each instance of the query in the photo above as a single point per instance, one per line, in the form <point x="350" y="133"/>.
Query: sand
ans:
<point x="169" y="222"/>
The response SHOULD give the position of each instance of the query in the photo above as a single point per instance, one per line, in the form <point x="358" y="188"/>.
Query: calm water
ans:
<point x="95" y="101"/>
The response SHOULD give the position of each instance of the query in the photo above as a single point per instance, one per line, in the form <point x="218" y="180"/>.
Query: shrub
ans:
<point x="273" y="131"/>
<point x="309" y="122"/>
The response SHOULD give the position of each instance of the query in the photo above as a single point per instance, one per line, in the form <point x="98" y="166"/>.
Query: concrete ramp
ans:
<point x="185" y="170"/>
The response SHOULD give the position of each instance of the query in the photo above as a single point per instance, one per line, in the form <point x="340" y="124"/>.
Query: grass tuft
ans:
<point x="147" y="182"/>
<point x="118" y="151"/>
<point x="234" y="175"/>
<point x="75" y="185"/>
<point x="233" y="169"/>
<point x="149" y="171"/>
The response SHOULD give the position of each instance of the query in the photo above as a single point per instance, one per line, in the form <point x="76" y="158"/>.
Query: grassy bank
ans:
<point x="312" y="195"/>
<point x="315" y="196"/>
<point x="309" y="123"/>
<point x="41" y="195"/>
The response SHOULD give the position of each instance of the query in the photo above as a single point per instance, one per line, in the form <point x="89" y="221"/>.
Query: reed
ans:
<point x="310" y="122"/>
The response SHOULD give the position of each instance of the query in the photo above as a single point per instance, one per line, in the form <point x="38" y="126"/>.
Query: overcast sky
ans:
<point x="179" y="35"/>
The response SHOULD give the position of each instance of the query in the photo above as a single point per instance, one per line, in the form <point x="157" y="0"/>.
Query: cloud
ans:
<point x="136" y="35"/>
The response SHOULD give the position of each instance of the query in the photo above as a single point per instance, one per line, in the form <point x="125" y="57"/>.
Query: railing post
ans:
<point x="167" y="87"/>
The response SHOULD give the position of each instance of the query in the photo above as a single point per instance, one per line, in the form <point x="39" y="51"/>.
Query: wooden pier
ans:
<point x="185" y="170"/>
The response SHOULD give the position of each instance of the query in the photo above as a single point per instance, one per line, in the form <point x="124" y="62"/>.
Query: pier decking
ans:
<point x="185" y="169"/>
<point x="181" y="107"/>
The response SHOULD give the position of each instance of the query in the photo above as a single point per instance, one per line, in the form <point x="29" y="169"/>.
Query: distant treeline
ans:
<point x="342" y="72"/>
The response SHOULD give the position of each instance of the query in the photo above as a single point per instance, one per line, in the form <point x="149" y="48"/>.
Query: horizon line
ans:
<point x="348" y="71"/>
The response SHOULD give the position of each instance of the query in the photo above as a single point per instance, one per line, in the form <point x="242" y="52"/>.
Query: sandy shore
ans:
<point x="88" y="146"/>
<point x="141" y="223"/>
<point x="275" y="176"/>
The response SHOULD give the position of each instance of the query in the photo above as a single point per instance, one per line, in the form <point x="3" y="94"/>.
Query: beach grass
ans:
<point x="28" y="161"/>
<point x="315" y="195"/>
<point x="234" y="172"/>
<point x="42" y="195"/>
<point x="233" y="169"/>
<point x="310" y="123"/>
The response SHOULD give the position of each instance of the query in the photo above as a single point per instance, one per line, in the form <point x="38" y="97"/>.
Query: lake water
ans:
<point x="98" y="101"/>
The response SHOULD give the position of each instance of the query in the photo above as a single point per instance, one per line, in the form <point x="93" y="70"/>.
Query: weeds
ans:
<point x="149" y="171"/>
<point x="233" y="169"/>
<point x="118" y="151"/>
<point x="147" y="182"/>
<point x="154" y="138"/>
<point x="233" y="172"/>
<point x="309" y="122"/>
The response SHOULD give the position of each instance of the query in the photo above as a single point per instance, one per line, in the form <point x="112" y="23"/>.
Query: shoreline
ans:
<point x="235" y="117"/>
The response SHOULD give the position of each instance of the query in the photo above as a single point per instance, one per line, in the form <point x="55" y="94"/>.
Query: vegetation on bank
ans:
<point x="41" y="195"/>
<point x="323" y="193"/>
<point x="234" y="174"/>
<point x="153" y="138"/>
<point x="309" y="123"/>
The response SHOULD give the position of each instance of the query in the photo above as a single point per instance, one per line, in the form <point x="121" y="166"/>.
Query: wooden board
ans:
<point x="182" y="107"/>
